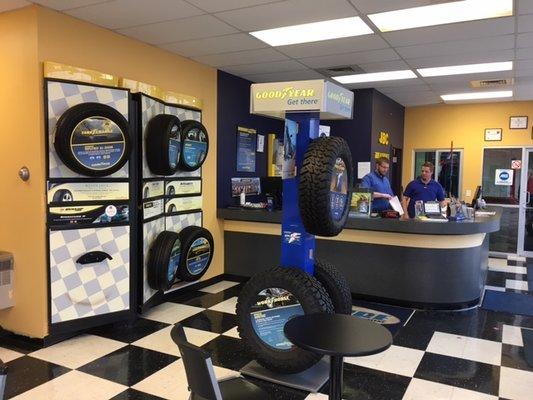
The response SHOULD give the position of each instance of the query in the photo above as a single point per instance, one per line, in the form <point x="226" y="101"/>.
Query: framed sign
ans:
<point x="493" y="134"/>
<point x="246" y="146"/>
<point x="518" y="122"/>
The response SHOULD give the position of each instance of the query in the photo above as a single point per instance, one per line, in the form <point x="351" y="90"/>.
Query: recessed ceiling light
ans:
<point x="376" y="76"/>
<point x="314" y="32"/>
<point x="447" y="13"/>
<point x="466" y="69"/>
<point x="477" y="96"/>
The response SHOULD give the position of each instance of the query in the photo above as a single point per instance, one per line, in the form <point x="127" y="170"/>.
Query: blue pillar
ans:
<point x="298" y="246"/>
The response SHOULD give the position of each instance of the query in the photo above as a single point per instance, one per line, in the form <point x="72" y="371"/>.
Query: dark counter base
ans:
<point x="415" y="277"/>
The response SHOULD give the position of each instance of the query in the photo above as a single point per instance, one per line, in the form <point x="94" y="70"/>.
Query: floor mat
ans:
<point x="391" y="317"/>
<point x="527" y="337"/>
<point x="514" y="303"/>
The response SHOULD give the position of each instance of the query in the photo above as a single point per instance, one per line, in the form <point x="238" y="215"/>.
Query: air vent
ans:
<point x="346" y="69"/>
<point x="340" y="70"/>
<point x="491" y="83"/>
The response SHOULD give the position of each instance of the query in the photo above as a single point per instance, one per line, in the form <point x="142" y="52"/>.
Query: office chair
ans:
<point x="201" y="379"/>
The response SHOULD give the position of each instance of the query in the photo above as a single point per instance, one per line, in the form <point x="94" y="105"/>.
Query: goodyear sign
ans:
<point x="275" y="99"/>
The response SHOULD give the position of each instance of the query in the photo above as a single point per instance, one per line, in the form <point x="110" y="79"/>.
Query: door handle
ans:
<point x="93" y="257"/>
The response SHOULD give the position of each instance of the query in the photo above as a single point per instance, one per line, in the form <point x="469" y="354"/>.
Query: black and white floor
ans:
<point x="471" y="355"/>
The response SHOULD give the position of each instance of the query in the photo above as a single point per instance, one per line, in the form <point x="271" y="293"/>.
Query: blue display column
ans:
<point x="298" y="246"/>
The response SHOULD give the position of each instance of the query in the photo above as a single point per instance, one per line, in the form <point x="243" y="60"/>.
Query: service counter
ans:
<point x="412" y="263"/>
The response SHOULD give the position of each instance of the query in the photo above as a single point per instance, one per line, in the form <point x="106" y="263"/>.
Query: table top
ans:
<point x="337" y="335"/>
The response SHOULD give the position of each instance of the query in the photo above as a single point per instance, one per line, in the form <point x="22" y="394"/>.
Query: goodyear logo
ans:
<point x="339" y="98"/>
<point x="270" y="301"/>
<point x="284" y="93"/>
<point x="383" y="138"/>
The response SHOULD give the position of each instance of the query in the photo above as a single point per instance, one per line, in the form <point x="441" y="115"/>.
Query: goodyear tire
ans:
<point x="195" y="145"/>
<point x="325" y="188"/>
<point x="63" y="196"/>
<point x="336" y="286"/>
<point x="198" y="248"/>
<point x="281" y="293"/>
<point x="163" y="144"/>
<point x="171" y="191"/>
<point x="163" y="260"/>
<point x="92" y="139"/>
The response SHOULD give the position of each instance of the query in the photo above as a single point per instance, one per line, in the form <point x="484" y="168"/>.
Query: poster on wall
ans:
<point x="275" y="155"/>
<point x="246" y="146"/>
<point x="504" y="177"/>
<point x="94" y="214"/>
<point x="288" y="169"/>
<point x="250" y="186"/>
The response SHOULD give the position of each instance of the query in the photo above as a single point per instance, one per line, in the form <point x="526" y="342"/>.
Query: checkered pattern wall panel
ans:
<point x="150" y="108"/>
<point x="79" y="291"/>
<point x="64" y="95"/>
<point x="176" y="223"/>
<point x="150" y="231"/>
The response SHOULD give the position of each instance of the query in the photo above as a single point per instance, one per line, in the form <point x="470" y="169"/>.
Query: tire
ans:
<point x="336" y="285"/>
<point x="198" y="248"/>
<point x="163" y="144"/>
<point x="171" y="208"/>
<point x="92" y="125"/>
<point x="163" y="260"/>
<point x="146" y="193"/>
<point x="171" y="191"/>
<point x="195" y="145"/>
<point x="63" y="196"/>
<point x="325" y="188"/>
<point x="288" y="287"/>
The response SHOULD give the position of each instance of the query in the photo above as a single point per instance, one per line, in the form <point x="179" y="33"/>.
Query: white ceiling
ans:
<point x="215" y="32"/>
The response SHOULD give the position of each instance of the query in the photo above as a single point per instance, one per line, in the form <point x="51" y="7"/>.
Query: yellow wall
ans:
<point x="40" y="35"/>
<point x="431" y="127"/>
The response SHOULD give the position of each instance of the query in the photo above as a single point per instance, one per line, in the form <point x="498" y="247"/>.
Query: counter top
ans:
<point x="485" y="224"/>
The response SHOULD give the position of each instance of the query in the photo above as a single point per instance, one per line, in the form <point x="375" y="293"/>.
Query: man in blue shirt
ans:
<point x="378" y="182"/>
<point x="423" y="188"/>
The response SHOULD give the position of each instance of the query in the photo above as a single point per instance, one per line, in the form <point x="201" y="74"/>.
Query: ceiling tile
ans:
<point x="241" y="58"/>
<point x="473" y="57"/>
<point x="285" y="76"/>
<point x="127" y="13"/>
<point x="458" y="47"/>
<point x="418" y="97"/>
<point x="451" y="32"/>
<point x="525" y="23"/>
<point x="215" y="45"/>
<point x="523" y="64"/>
<point x="174" y="31"/>
<point x="286" y="13"/>
<point x="375" y="6"/>
<point x="213" y="6"/>
<point x="418" y="87"/>
<point x="62" y="5"/>
<point x="362" y="57"/>
<point x="524" y="91"/>
<point x="525" y="6"/>
<point x="524" y="72"/>
<point x="7" y="5"/>
<point x="335" y="46"/>
<point x="394" y="65"/>
<point x="399" y="83"/>
<point x="264" y="68"/>
<point x="524" y="54"/>
<point x="524" y="40"/>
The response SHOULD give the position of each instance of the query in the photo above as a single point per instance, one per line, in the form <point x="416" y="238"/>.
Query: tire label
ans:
<point x="153" y="189"/>
<point x="272" y="308"/>
<point x="175" y="188"/>
<point x="338" y="189"/>
<point x="183" y="204"/>
<point x="194" y="147"/>
<point x="174" y="147"/>
<point x="173" y="262"/>
<point x="98" y="143"/>
<point x="152" y="208"/>
<point x="87" y="191"/>
<point x="80" y="215"/>
<point x="198" y="256"/>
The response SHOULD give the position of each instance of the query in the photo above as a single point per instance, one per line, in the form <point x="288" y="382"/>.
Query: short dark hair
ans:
<point x="382" y="160"/>
<point x="429" y="165"/>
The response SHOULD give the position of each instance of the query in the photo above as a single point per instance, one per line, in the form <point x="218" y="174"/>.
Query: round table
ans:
<point x="337" y="335"/>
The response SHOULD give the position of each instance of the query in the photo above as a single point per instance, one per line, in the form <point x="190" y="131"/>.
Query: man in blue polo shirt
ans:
<point x="380" y="185"/>
<point x="423" y="188"/>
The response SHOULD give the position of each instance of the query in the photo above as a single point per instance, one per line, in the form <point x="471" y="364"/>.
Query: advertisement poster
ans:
<point x="98" y="214"/>
<point x="153" y="189"/>
<point x="184" y="204"/>
<point x="87" y="191"/>
<point x="152" y="208"/>
<point x="246" y="146"/>
<point x="288" y="169"/>
<point x="504" y="177"/>
<point x="176" y="188"/>
<point x="250" y="186"/>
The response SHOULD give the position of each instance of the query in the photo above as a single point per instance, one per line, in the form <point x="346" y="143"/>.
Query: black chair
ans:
<point x="201" y="379"/>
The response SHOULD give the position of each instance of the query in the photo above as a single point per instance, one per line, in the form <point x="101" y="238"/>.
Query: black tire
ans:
<point x="198" y="249"/>
<point x="146" y="192"/>
<point x="171" y="208"/>
<point x="336" y="285"/>
<point x="63" y="196"/>
<point x="327" y="163"/>
<point x="171" y="191"/>
<point x="296" y="287"/>
<point x="163" y="144"/>
<point x="163" y="260"/>
<point x="193" y="134"/>
<point x="107" y="125"/>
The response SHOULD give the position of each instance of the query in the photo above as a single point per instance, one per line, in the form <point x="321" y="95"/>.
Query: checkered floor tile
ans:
<point x="475" y="354"/>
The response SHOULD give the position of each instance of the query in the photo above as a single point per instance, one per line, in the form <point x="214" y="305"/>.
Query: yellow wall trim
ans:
<point x="70" y="73"/>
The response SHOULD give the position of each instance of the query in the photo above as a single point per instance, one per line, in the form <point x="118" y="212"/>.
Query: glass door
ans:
<point x="525" y="227"/>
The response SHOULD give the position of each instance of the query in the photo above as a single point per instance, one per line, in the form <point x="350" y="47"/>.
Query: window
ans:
<point x="494" y="159"/>
<point x="448" y="168"/>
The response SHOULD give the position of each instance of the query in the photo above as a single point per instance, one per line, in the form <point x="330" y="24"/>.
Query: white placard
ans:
<point x="396" y="205"/>
<point x="363" y="168"/>
<point x="260" y="143"/>
<point x="504" y="177"/>
<point x="324" y="130"/>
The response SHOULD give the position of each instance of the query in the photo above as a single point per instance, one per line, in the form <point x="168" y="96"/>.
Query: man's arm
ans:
<point x="405" y="204"/>
<point x="378" y="195"/>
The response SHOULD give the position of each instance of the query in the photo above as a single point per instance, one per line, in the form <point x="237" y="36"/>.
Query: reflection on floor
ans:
<point x="475" y="354"/>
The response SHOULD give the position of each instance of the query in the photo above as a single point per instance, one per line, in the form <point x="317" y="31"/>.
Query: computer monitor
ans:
<point x="273" y="185"/>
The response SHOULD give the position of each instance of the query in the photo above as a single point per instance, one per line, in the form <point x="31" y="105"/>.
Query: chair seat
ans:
<point x="241" y="389"/>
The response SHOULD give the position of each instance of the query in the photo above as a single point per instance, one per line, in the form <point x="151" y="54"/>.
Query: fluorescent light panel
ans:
<point x="477" y="96"/>
<point x="314" y="32"/>
<point x="447" y="13"/>
<point x="376" y="76"/>
<point x="466" y="69"/>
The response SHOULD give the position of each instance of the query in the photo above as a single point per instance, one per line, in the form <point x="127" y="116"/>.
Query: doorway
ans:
<point x="396" y="171"/>
<point x="525" y="225"/>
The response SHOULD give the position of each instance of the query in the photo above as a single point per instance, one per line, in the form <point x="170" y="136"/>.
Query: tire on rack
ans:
<point x="92" y="139"/>
<point x="198" y="248"/>
<point x="163" y="260"/>
<point x="325" y="188"/>
<point x="336" y="286"/>
<point x="163" y="144"/>
<point x="285" y="292"/>
<point x="63" y="196"/>
<point x="195" y="145"/>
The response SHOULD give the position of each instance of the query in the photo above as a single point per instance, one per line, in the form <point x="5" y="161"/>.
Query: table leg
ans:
<point x="335" y="378"/>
